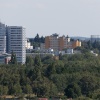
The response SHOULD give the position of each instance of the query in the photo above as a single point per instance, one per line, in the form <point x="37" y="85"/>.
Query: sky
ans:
<point x="45" y="17"/>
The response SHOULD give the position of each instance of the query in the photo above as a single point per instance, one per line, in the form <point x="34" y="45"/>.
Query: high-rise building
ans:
<point x="16" y="42"/>
<point x="2" y="38"/>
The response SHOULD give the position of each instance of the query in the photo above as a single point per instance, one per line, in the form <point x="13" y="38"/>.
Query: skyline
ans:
<point x="66" y="17"/>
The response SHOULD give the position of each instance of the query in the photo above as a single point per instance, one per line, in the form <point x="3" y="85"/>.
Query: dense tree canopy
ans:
<point x="76" y="76"/>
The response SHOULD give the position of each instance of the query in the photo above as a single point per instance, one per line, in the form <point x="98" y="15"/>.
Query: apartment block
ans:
<point x="12" y="38"/>
<point x="16" y="42"/>
<point x="76" y="43"/>
<point x="59" y="43"/>
<point x="55" y="42"/>
<point x="2" y="38"/>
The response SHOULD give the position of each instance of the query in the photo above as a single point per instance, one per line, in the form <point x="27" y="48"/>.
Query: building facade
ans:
<point x="28" y="44"/>
<point x="5" y="58"/>
<point x="59" y="43"/>
<point x="55" y="42"/>
<point x="16" y="42"/>
<point x="2" y="38"/>
<point x="76" y="43"/>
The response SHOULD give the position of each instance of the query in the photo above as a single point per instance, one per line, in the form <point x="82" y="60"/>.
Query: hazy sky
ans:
<point x="65" y="17"/>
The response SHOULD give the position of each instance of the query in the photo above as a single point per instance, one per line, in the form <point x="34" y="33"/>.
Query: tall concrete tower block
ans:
<point x="2" y="38"/>
<point x="16" y="42"/>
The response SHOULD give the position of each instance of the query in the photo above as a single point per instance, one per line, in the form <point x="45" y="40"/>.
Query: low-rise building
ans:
<point x="76" y="43"/>
<point x="28" y="44"/>
<point x="69" y="51"/>
<point x="5" y="58"/>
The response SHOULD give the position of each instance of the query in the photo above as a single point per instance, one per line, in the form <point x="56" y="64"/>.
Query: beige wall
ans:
<point x="61" y="43"/>
<point x="47" y="42"/>
<point x="76" y="44"/>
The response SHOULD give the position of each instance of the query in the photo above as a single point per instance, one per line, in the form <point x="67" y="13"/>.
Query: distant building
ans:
<point x="16" y="42"/>
<point x="28" y="44"/>
<point x="59" y="43"/>
<point x="5" y="58"/>
<point x="69" y="51"/>
<point x="40" y="54"/>
<point x="55" y="42"/>
<point x="76" y="43"/>
<point x="37" y="48"/>
<point x="2" y="38"/>
<point x="95" y="38"/>
<point x="42" y="46"/>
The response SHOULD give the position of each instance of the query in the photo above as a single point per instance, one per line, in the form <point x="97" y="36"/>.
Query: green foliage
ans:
<point x="96" y="94"/>
<point x="3" y="90"/>
<point x="73" y="75"/>
<point x="29" y="61"/>
<point x="17" y="89"/>
<point x="48" y="59"/>
<point x="87" y="84"/>
<point x="38" y="40"/>
<point x="83" y="98"/>
<point x="13" y="58"/>
<point x="43" y="87"/>
<point x="27" y="89"/>
<point x="37" y="61"/>
<point x="72" y="91"/>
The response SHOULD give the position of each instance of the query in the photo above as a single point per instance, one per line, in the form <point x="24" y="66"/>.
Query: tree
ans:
<point x="42" y="39"/>
<point x="17" y="89"/>
<point x="36" y="39"/>
<point x="1" y="89"/>
<point x="51" y="69"/>
<point x="27" y="89"/>
<point x="44" y="87"/>
<point x="60" y="81"/>
<point x="37" y="60"/>
<point x="29" y="61"/>
<point x="87" y="84"/>
<point x="72" y="90"/>
<point x="89" y="44"/>
<point x="13" y="58"/>
<point x="5" y="90"/>
<point x="96" y="94"/>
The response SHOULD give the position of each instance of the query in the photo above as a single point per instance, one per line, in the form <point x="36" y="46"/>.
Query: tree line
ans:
<point x="72" y="76"/>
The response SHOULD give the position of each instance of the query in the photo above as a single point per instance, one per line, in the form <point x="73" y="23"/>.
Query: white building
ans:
<point x="69" y="51"/>
<point x="16" y="42"/>
<point x="2" y="38"/>
<point x="28" y="44"/>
